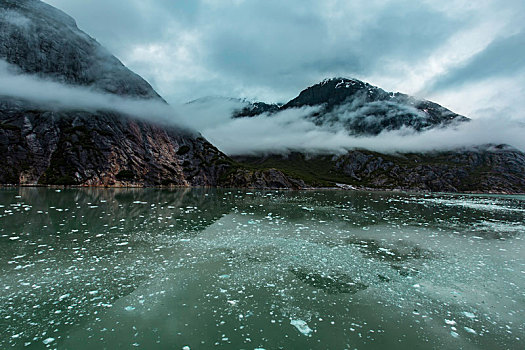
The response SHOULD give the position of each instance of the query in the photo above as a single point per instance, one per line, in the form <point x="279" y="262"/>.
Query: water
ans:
<point x="201" y="269"/>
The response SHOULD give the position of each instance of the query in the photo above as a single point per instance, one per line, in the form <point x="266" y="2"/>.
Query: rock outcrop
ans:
<point x="48" y="146"/>
<point x="104" y="148"/>
<point x="262" y="179"/>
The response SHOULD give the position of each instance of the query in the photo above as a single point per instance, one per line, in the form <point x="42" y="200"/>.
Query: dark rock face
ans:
<point x="255" y="109"/>
<point x="497" y="169"/>
<point x="262" y="179"/>
<point x="84" y="148"/>
<point x="42" y="146"/>
<point x="362" y="109"/>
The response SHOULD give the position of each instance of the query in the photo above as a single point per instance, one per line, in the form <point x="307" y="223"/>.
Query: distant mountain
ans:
<point x="362" y="109"/>
<point x="254" y="109"/>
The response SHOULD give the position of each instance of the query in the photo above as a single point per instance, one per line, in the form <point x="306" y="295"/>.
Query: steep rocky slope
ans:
<point x="99" y="148"/>
<point x="52" y="146"/>
<point x="42" y="40"/>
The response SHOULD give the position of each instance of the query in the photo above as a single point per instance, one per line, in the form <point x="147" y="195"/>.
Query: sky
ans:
<point x="468" y="56"/>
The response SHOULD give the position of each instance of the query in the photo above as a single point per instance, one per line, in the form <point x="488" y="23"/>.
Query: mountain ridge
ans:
<point x="362" y="108"/>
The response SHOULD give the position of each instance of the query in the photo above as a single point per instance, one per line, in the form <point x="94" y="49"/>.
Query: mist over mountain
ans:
<point x="57" y="121"/>
<point x="362" y="109"/>
<point x="349" y="132"/>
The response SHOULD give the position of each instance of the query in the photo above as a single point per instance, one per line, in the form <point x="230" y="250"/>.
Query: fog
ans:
<point x="55" y="96"/>
<point x="291" y="130"/>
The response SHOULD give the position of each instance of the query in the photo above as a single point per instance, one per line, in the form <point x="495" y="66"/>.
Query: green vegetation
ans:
<point x="317" y="171"/>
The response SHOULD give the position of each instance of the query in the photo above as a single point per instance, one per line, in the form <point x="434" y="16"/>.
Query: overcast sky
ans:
<point x="466" y="55"/>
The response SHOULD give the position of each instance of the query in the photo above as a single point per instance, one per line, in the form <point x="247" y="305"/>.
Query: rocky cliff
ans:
<point x="41" y="145"/>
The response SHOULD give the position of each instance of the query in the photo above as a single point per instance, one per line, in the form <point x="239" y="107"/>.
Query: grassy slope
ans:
<point x="321" y="171"/>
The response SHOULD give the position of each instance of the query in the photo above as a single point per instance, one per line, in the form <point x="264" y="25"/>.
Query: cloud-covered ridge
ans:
<point x="293" y="130"/>
<point x="52" y="95"/>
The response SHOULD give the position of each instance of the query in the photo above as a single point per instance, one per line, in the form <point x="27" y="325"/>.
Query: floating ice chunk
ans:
<point x="129" y="308"/>
<point x="450" y="322"/>
<point x="224" y="276"/>
<point x="48" y="341"/>
<point x="185" y="347"/>
<point x="454" y="334"/>
<point x="470" y="330"/>
<point x="232" y="302"/>
<point x="302" y="327"/>
<point x="469" y="314"/>
<point x="385" y="250"/>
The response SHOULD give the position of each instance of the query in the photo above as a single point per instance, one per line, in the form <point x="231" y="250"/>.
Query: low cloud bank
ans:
<point x="53" y="95"/>
<point x="291" y="130"/>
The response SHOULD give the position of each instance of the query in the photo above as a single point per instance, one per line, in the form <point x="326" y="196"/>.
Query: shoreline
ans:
<point x="338" y="187"/>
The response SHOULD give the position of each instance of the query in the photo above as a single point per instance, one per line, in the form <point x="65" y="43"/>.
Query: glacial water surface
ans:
<point x="232" y="269"/>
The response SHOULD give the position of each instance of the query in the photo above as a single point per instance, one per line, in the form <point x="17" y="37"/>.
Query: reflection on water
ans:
<point x="202" y="268"/>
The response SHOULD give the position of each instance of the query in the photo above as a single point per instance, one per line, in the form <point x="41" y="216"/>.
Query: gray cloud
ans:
<point x="290" y="130"/>
<point x="503" y="57"/>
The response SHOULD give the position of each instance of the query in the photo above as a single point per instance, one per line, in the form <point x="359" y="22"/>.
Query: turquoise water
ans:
<point x="230" y="269"/>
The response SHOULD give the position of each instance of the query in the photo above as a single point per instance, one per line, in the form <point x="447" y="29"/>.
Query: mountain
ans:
<point x="256" y="108"/>
<point x="364" y="110"/>
<point x="361" y="108"/>
<point x="49" y="146"/>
